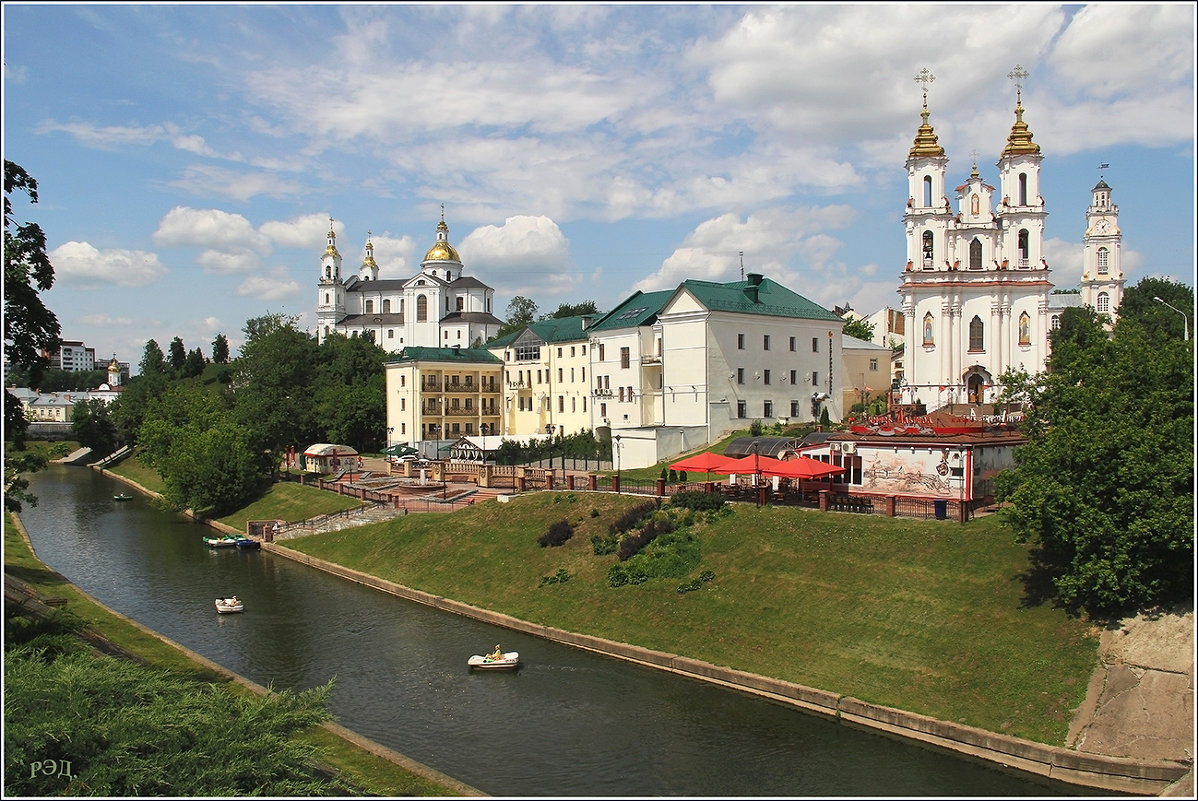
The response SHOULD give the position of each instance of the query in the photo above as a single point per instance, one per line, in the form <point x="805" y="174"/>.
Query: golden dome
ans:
<point x="1020" y="139"/>
<point x="926" y="143"/>
<point x="442" y="250"/>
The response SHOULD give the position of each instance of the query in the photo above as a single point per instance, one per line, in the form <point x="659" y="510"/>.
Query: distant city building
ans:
<point x="439" y="307"/>
<point x="72" y="356"/>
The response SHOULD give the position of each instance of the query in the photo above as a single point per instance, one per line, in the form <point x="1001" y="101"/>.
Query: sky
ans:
<point x="189" y="157"/>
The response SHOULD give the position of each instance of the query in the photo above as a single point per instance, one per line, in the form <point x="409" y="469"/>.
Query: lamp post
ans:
<point x="756" y="473"/>
<point x="1185" y="321"/>
<point x="617" y="440"/>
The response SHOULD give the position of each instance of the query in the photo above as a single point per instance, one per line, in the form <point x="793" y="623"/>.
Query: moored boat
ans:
<point x="496" y="660"/>
<point x="220" y="542"/>
<point x="225" y="606"/>
<point x="248" y="544"/>
<point x="122" y="497"/>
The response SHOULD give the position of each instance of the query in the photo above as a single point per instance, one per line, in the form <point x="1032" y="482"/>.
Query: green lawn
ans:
<point x="925" y="616"/>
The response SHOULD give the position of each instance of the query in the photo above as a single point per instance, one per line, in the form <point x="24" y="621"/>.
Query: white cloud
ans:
<point x="526" y="255"/>
<point x="221" y="261"/>
<point x="209" y="228"/>
<point x="105" y="320"/>
<point x="275" y="286"/>
<point x="208" y="180"/>
<point x="82" y="266"/>
<point x="307" y="231"/>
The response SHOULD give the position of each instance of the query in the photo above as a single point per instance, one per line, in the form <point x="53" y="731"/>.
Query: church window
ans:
<point x="1023" y="247"/>
<point x="1104" y="266"/>
<point x="927" y="192"/>
<point x="927" y="329"/>
<point x="1055" y="322"/>
<point x="461" y="304"/>
<point x="977" y="333"/>
<point x="390" y="333"/>
<point x="740" y="375"/>
<point x="927" y="248"/>
<point x="975" y="204"/>
<point x="1104" y="303"/>
<point x="387" y="306"/>
<point x="421" y="309"/>
<point x="369" y="307"/>
<point x="975" y="254"/>
<point x="326" y="298"/>
<point x="1022" y="189"/>
<point x="1025" y="333"/>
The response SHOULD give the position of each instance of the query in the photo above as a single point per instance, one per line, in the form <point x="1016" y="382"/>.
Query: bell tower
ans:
<point x="330" y="300"/>
<point x="1102" y="275"/>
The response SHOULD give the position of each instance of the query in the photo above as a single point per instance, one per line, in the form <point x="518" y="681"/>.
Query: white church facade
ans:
<point x="976" y="293"/>
<point x="439" y="307"/>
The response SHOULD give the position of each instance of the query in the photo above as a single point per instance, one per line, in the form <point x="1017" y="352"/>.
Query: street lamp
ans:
<point x="617" y="439"/>
<point x="1185" y="321"/>
<point x="756" y="473"/>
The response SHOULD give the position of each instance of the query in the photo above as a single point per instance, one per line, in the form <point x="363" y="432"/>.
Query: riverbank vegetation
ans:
<point x="925" y="616"/>
<point x="157" y="722"/>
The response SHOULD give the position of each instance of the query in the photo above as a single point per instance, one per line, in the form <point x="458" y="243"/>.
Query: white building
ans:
<point x="976" y="292"/>
<point x="439" y="307"/>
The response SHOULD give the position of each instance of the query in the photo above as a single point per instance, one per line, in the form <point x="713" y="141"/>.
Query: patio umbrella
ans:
<point x="750" y="465"/>
<point x="706" y="462"/>
<point x="803" y="467"/>
<point x="400" y="450"/>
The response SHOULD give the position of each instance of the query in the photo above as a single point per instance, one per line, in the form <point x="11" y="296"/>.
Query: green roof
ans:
<point x="772" y="299"/>
<point x="416" y="353"/>
<point x="553" y="329"/>
<point x="640" y="308"/>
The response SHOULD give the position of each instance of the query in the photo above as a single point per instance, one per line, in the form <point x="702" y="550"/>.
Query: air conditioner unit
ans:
<point x="849" y="447"/>
<point x="834" y="447"/>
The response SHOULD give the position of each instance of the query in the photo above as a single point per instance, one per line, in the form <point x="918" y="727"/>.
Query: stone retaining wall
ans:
<point x="1143" y="777"/>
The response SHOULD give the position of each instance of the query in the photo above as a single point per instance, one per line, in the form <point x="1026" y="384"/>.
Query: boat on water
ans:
<point x="122" y="497"/>
<point x="496" y="660"/>
<point x="248" y="544"/>
<point x="220" y="542"/>
<point x="228" y="605"/>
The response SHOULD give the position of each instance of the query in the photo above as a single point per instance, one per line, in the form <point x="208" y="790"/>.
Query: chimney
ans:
<point x="754" y="287"/>
<point x="586" y="321"/>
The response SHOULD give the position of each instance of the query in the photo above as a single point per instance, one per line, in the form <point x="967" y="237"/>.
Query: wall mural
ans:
<point x="922" y="473"/>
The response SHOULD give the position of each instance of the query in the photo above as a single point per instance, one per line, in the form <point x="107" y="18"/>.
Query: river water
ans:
<point x="567" y="723"/>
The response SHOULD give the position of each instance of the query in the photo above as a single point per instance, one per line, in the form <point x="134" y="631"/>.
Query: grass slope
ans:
<point x="925" y="616"/>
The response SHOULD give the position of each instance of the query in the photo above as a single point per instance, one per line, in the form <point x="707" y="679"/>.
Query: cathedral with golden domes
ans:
<point x="439" y="307"/>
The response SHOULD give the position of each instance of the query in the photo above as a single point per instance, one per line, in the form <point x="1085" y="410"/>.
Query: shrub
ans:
<point x="682" y="476"/>
<point x="673" y="476"/>
<point x="631" y="518"/>
<point x="632" y="544"/>
<point x="594" y="512"/>
<point x="697" y="500"/>
<point x="560" y="577"/>
<point x="602" y="546"/>
<point x="557" y="534"/>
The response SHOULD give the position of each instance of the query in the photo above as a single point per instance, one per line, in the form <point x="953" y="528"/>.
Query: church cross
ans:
<point x="1017" y="75"/>
<point x="925" y="77"/>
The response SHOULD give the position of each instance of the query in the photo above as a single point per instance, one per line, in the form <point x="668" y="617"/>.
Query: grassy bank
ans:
<point x="375" y="775"/>
<point x="925" y="616"/>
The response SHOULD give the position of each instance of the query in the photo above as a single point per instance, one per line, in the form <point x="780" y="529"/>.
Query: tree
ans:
<point x="1104" y="486"/>
<point x="193" y="365"/>
<point x="93" y="426"/>
<point x="178" y="356"/>
<point x="520" y="312"/>
<point x="153" y="362"/>
<point x="859" y="328"/>
<point x="349" y="391"/>
<point x="29" y="327"/>
<point x="573" y="310"/>
<point x="220" y="350"/>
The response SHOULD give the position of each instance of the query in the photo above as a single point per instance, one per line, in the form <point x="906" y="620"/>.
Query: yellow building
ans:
<point x="442" y="394"/>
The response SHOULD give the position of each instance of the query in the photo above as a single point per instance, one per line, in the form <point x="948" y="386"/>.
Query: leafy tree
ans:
<point x="29" y="327"/>
<point x="573" y="310"/>
<point x="220" y="350"/>
<point x="1104" y="486"/>
<point x="350" y="392"/>
<point x="56" y="380"/>
<point x="93" y="427"/>
<point x="1140" y="302"/>
<point x="860" y="329"/>
<point x="18" y="463"/>
<point x="520" y="312"/>
<point x="178" y="356"/>
<point x="193" y="365"/>
<point x="208" y="461"/>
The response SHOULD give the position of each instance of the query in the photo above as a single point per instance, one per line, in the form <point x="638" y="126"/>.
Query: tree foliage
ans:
<point x="860" y="329"/>
<point x="274" y="376"/>
<point x="1104" y="486"/>
<point x="220" y="350"/>
<point x="573" y="310"/>
<point x="178" y="356"/>
<point x="520" y="312"/>
<point x="29" y="327"/>
<point x="92" y="425"/>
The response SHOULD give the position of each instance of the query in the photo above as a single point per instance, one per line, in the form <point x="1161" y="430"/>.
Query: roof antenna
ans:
<point x="742" y="265"/>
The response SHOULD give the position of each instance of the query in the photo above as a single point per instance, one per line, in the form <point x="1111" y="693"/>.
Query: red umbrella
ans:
<point x="750" y="465"/>
<point x="706" y="462"/>
<point x="804" y="467"/>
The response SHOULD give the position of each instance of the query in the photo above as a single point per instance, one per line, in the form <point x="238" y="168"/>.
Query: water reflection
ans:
<point x="568" y="723"/>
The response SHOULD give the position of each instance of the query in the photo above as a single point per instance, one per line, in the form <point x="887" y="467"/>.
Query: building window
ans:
<point x="421" y="309"/>
<point x="559" y="352"/>
<point x="561" y="403"/>
<point x="765" y="376"/>
<point x="927" y="330"/>
<point x="603" y="411"/>
<point x="1025" y="329"/>
<point x="765" y="342"/>
<point x="740" y="375"/>
<point x="815" y="344"/>
<point x="794" y="344"/>
<point x="794" y="408"/>
<point x="600" y="351"/>
<point x="528" y="353"/>
<point x="977" y="334"/>
<point x="1104" y="303"/>
<point x="740" y="343"/>
<point x="767" y="409"/>
<point x="794" y="375"/>
<point x="370" y="307"/>
<point x="815" y="378"/>
<point x="1055" y="323"/>
<point x="390" y="333"/>
<point x="1022" y="189"/>
<point x="560" y="373"/>
<point x="873" y="365"/>
<point x="625" y="359"/>
<point x="386" y="307"/>
<point x="742" y="410"/>
<point x="1104" y="266"/>
<point x="975" y="254"/>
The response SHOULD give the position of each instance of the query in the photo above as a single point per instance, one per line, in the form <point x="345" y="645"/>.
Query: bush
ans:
<point x="594" y="512"/>
<point x="631" y="518"/>
<point x="632" y="544"/>
<point x="560" y="577"/>
<point x="602" y="546"/>
<point x="557" y="534"/>
<point x="682" y="476"/>
<point x="673" y="476"/>
<point x="697" y="500"/>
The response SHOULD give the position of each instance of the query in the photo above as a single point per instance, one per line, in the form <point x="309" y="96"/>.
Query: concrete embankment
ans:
<point x="1141" y="776"/>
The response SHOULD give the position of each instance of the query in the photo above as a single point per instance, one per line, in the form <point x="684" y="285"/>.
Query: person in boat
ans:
<point x="497" y="655"/>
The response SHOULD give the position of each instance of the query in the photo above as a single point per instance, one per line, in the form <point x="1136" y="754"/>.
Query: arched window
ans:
<point x="975" y="254"/>
<point x="1025" y="329"/>
<point x="1055" y="322"/>
<point x="461" y="304"/>
<point x="1022" y="189"/>
<point x="1104" y="261"/>
<point x="1023" y="245"/>
<point x="421" y="308"/>
<point x="326" y="298"/>
<point x="977" y="334"/>
<point x="386" y="306"/>
<point x="369" y="307"/>
<point x="927" y="329"/>
<point x="927" y="248"/>
<point x="927" y="191"/>
<point x="1104" y="303"/>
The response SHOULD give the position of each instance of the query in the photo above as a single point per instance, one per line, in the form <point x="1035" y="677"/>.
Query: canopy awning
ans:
<point x="706" y="462"/>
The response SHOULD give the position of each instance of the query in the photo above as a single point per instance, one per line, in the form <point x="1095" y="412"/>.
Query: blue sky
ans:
<point x="189" y="156"/>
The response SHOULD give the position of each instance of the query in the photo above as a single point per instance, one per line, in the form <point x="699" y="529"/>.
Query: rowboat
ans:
<point x="220" y="542"/>
<point x="122" y="497"/>
<point x="225" y="606"/>
<point x="495" y="661"/>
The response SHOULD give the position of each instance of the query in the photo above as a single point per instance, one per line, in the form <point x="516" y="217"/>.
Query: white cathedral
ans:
<point x="976" y="294"/>
<point x="439" y="307"/>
